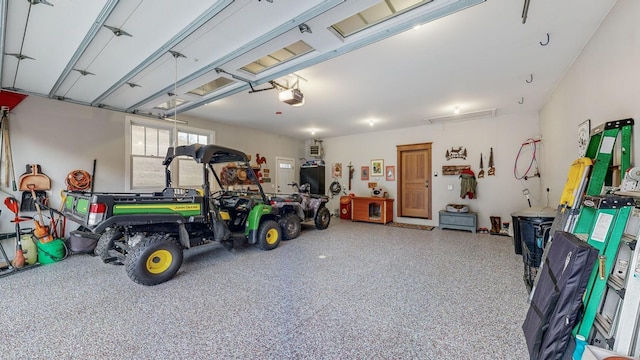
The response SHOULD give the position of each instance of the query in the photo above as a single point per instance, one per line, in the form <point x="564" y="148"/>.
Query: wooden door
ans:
<point x="414" y="180"/>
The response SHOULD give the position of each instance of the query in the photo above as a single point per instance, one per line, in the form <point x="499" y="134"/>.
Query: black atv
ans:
<point x="299" y="207"/>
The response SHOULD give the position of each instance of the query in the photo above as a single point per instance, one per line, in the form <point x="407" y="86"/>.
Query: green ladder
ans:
<point x="602" y="220"/>
<point x="602" y="223"/>
<point x="601" y="148"/>
<point x="572" y="217"/>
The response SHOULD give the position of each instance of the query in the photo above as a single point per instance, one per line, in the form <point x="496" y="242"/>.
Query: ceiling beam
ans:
<point x="88" y="38"/>
<point x="3" y="29"/>
<point x="367" y="40"/>
<point x="281" y="29"/>
<point x="197" y="23"/>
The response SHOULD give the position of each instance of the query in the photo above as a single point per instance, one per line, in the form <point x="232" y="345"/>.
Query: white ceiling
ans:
<point x="480" y="57"/>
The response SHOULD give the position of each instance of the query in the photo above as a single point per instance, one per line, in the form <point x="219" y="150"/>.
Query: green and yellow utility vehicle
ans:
<point x="148" y="232"/>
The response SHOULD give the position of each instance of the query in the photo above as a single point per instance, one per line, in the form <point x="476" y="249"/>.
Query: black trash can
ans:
<point x="530" y="236"/>
<point x="528" y="224"/>
<point x="534" y="233"/>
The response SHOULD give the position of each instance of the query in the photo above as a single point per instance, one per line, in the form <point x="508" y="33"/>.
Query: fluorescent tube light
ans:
<point x="473" y="115"/>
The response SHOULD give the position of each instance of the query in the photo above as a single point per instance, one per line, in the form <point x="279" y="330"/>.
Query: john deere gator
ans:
<point x="148" y="232"/>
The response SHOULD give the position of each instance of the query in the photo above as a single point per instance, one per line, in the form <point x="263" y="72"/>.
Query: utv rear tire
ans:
<point x="290" y="224"/>
<point x="269" y="235"/>
<point x="323" y="218"/>
<point x="154" y="260"/>
<point x="105" y="245"/>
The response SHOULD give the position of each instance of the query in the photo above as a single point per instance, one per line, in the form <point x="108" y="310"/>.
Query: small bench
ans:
<point x="457" y="220"/>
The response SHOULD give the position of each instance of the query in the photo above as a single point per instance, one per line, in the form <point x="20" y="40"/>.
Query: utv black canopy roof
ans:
<point x="206" y="154"/>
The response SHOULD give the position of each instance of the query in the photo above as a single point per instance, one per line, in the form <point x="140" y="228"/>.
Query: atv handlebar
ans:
<point x="304" y="188"/>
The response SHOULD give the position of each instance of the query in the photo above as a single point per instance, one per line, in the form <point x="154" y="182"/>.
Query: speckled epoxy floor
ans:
<point x="353" y="291"/>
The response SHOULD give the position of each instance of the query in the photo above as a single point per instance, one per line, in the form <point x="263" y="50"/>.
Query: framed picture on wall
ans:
<point x="390" y="173"/>
<point x="364" y="173"/>
<point x="584" y="135"/>
<point x="377" y="167"/>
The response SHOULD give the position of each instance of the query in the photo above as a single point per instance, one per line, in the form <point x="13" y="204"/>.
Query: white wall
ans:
<point x="603" y="85"/>
<point x="62" y="137"/>
<point x="498" y="195"/>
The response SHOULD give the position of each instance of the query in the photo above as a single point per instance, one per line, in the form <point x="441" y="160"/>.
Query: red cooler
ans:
<point x="345" y="207"/>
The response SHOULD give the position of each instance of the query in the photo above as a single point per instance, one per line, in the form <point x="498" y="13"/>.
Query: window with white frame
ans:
<point x="148" y="149"/>
<point x="189" y="172"/>
<point x="149" y="141"/>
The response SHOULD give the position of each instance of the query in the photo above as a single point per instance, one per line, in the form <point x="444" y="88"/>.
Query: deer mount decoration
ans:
<point x="459" y="152"/>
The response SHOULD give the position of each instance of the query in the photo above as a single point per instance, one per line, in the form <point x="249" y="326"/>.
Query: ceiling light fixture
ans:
<point x="473" y="115"/>
<point x="456" y="110"/>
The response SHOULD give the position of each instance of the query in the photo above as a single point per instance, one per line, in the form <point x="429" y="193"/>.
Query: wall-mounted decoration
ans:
<point x="377" y="167"/>
<point x="390" y="173"/>
<point x="459" y="152"/>
<point x="364" y="173"/>
<point x="372" y="185"/>
<point x="260" y="173"/>
<point x="337" y="170"/>
<point x="351" y="170"/>
<point x="481" y="173"/>
<point x="260" y="160"/>
<point x="454" y="169"/>
<point x="233" y="174"/>
<point x="584" y="135"/>
<point x="492" y="169"/>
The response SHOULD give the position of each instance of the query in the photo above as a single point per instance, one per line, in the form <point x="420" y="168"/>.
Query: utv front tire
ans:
<point x="104" y="247"/>
<point x="290" y="224"/>
<point x="154" y="260"/>
<point x="323" y="218"/>
<point x="269" y="235"/>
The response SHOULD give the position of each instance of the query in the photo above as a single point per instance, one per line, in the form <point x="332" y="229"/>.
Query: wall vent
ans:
<point x="315" y="149"/>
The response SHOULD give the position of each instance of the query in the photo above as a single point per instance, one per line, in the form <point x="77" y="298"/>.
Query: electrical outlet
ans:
<point x="449" y="187"/>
